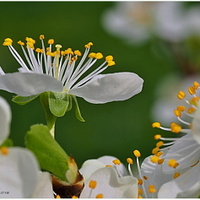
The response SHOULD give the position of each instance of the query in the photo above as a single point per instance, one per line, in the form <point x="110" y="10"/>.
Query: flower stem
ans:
<point x="50" y="118"/>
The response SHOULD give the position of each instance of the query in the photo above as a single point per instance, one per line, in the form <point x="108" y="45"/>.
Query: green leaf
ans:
<point x="58" y="103"/>
<point x="49" y="153"/>
<point x="24" y="100"/>
<point x="77" y="110"/>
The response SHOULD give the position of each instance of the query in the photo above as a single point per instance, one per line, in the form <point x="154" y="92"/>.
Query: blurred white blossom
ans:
<point x="136" y="22"/>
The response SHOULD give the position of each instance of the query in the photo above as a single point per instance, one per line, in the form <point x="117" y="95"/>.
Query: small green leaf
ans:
<point x="24" y="100"/>
<point x="49" y="153"/>
<point x="77" y="110"/>
<point x="70" y="103"/>
<point x="58" y="103"/>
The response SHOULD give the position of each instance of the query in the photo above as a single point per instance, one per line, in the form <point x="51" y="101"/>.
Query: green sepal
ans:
<point x="58" y="103"/>
<point x="24" y="100"/>
<point x="7" y="143"/>
<point x="70" y="103"/>
<point x="77" y="110"/>
<point x="49" y="153"/>
<point x="50" y="118"/>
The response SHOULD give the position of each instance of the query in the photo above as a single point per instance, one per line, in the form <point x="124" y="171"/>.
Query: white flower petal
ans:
<point x="154" y="173"/>
<point x="186" y="185"/>
<point x="89" y="167"/>
<point x="185" y="151"/>
<point x="196" y="126"/>
<point x="44" y="186"/>
<point x="18" y="172"/>
<point x="108" y="160"/>
<point x="5" y="118"/>
<point x="110" y="185"/>
<point x="27" y="84"/>
<point x="110" y="87"/>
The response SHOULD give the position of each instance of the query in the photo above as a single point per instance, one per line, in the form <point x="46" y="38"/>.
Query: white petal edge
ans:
<point x="110" y="87"/>
<point x="195" y="130"/>
<point x="27" y="84"/>
<point x="186" y="185"/>
<point x="5" y="119"/>
<point x="111" y="185"/>
<point x="44" y="186"/>
<point x="18" y="172"/>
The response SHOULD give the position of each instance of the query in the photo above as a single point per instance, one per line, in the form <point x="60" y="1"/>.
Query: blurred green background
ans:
<point x="115" y="128"/>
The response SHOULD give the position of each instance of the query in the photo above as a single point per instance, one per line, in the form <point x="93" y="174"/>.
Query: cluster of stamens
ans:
<point x="59" y="63"/>
<point x="146" y="189"/>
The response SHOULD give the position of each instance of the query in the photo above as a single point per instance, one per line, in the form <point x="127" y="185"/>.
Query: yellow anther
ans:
<point x="154" y="159"/>
<point x="140" y="181"/>
<point x="194" y="101"/>
<point x="111" y="63"/>
<point x="57" y="196"/>
<point x="136" y="153"/>
<point x="38" y="50"/>
<point x="191" y="110"/>
<point x="145" y="177"/>
<point x="129" y="160"/>
<point x="196" y="84"/>
<point x="30" y="45"/>
<point x="155" y="150"/>
<point x="92" y="55"/>
<point x="74" y="197"/>
<point x="7" y="42"/>
<point x="30" y="40"/>
<point x="51" y="41"/>
<point x="62" y="53"/>
<point x="20" y="43"/>
<point x="88" y="45"/>
<point x="99" y="55"/>
<point x="192" y="90"/>
<point x="176" y="175"/>
<point x="69" y="51"/>
<point x="52" y="54"/>
<point x="173" y="163"/>
<point x="140" y="191"/>
<point x="151" y="189"/>
<point x="92" y="184"/>
<point x="175" y="128"/>
<point x="41" y="37"/>
<point x="77" y="52"/>
<point x="116" y="162"/>
<point x="181" y="108"/>
<point x="159" y="144"/>
<point x="156" y="125"/>
<point x="109" y="58"/>
<point x="177" y="113"/>
<point x="74" y="58"/>
<point x="4" y="150"/>
<point x="108" y="165"/>
<point x="99" y="196"/>
<point x="181" y="95"/>
<point x="157" y="137"/>
<point x="160" y="161"/>
<point x="160" y="153"/>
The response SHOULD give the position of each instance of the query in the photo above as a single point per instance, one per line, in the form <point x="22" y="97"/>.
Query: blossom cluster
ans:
<point x="44" y="170"/>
